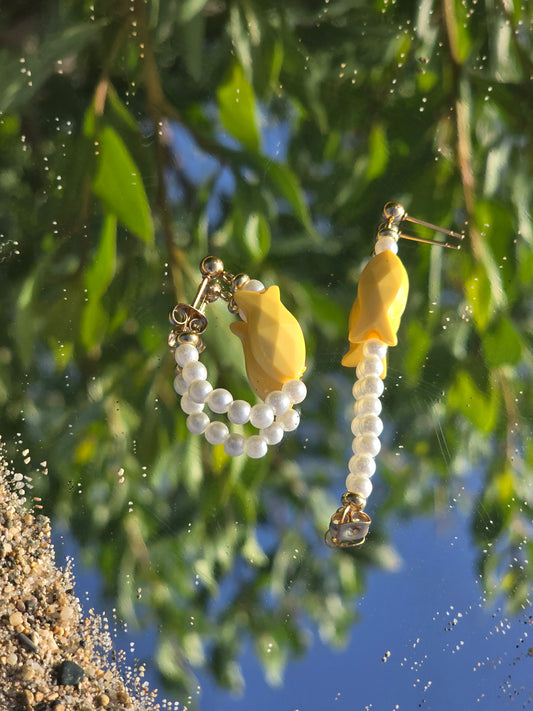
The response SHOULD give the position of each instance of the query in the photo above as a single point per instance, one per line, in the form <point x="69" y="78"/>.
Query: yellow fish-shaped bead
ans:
<point x="272" y="340"/>
<point x="377" y="310"/>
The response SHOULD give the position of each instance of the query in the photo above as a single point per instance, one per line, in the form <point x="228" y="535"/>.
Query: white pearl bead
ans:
<point x="369" y="385"/>
<point x="261" y="416"/>
<point x="253" y="285"/>
<point x="355" y="426"/>
<point x="366" y="444"/>
<point x="272" y="434"/>
<point x="256" y="447"/>
<point x="194" y="370"/>
<point x="180" y="386"/>
<point x="369" y="405"/>
<point x="278" y="401"/>
<point x="234" y="445"/>
<point x="289" y="421"/>
<point x="370" y="365"/>
<point x="295" y="390"/>
<point x="374" y="347"/>
<point x="219" y="400"/>
<point x="216" y="432"/>
<point x="199" y="390"/>
<point x="359" y="484"/>
<point x="386" y="243"/>
<point x="362" y="464"/>
<point x="197" y="422"/>
<point x="185" y="353"/>
<point x="239" y="412"/>
<point x="189" y="406"/>
<point x="367" y="424"/>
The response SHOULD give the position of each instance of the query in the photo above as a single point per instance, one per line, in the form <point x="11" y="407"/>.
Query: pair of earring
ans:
<point x="274" y="353"/>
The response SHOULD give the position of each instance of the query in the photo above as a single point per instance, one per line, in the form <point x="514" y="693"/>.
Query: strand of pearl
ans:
<point x="272" y="418"/>
<point x="366" y="425"/>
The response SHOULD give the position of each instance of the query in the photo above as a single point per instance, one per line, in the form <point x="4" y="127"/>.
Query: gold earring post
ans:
<point x="395" y="215"/>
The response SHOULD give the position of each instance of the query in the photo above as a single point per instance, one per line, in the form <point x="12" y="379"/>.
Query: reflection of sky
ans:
<point x="447" y="649"/>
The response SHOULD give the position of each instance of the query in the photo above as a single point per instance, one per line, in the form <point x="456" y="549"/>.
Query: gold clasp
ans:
<point x="349" y="525"/>
<point x="394" y="215"/>
<point x="188" y="320"/>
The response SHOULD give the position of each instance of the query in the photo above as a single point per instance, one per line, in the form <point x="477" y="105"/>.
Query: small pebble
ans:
<point x="26" y="642"/>
<point x="15" y="619"/>
<point x="69" y="673"/>
<point x="27" y="672"/>
<point x="29" y="698"/>
<point x="102" y="700"/>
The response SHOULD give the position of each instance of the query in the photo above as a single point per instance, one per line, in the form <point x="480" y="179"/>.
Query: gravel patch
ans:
<point x="53" y="656"/>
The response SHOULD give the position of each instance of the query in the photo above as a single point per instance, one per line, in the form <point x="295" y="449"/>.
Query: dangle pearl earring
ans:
<point x="374" y="321"/>
<point x="274" y="353"/>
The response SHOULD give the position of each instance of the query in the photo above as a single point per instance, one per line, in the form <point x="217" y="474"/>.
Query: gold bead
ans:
<point x="211" y="267"/>
<point x="192" y="338"/>
<point x="172" y="339"/>
<point x="232" y="306"/>
<point x="351" y="497"/>
<point x="393" y="210"/>
<point x="239" y="280"/>
<point x="213" y="292"/>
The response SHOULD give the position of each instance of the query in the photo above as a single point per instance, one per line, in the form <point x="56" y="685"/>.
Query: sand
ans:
<point x="53" y="656"/>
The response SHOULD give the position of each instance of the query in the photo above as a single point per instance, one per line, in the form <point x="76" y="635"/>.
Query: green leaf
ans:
<point x="494" y="509"/>
<point x="420" y="341"/>
<point x="378" y="152"/>
<point x="236" y="103"/>
<point x="525" y="264"/>
<point x="204" y="569"/>
<point x="97" y="279"/>
<point x="282" y="178"/>
<point x="193" y="41"/>
<point x="272" y="652"/>
<point x="502" y="344"/>
<point x="120" y="110"/>
<point x="119" y="185"/>
<point x="101" y="272"/>
<point x="193" y="647"/>
<point x="480" y="408"/>
<point x="478" y="293"/>
<point x="276" y="63"/>
<point x="93" y="325"/>
<point x="25" y="326"/>
<point x="189" y="9"/>
<point x="458" y="30"/>
<point x="257" y="236"/>
<point x="253" y="553"/>
<point x="489" y="520"/>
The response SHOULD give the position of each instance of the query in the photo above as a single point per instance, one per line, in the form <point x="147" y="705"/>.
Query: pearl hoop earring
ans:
<point x="374" y="321"/>
<point x="274" y="353"/>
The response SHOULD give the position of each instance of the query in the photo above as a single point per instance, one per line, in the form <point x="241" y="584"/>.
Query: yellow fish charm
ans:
<point x="379" y="305"/>
<point x="272" y="340"/>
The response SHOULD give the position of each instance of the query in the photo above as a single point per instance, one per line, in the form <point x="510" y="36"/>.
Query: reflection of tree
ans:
<point x="417" y="105"/>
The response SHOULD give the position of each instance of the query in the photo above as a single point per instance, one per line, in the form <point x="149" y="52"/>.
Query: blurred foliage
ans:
<point x="136" y="137"/>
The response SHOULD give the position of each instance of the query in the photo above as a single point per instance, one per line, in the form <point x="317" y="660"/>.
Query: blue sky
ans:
<point x="426" y="639"/>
